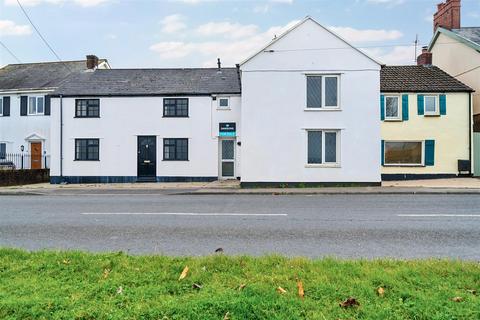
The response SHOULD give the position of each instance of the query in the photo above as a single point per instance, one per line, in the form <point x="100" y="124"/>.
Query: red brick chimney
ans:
<point x="92" y="62"/>
<point x="447" y="15"/>
<point x="425" y="58"/>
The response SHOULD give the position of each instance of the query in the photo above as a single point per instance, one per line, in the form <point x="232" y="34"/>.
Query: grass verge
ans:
<point x="77" y="285"/>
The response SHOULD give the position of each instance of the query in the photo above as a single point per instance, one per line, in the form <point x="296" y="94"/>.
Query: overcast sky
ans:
<point x="193" y="33"/>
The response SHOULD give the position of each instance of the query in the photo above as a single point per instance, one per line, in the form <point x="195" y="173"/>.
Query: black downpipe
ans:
<point x="61" y="138"/>
<point x="470" y="128"/>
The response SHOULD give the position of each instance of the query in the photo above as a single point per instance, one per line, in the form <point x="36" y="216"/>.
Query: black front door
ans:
<point x="147" y="157"/>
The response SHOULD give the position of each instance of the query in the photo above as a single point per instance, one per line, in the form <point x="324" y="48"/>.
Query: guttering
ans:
<point x="19" y="91"/>
<point x="119" y="95"/>
<point x="61" y="137"/>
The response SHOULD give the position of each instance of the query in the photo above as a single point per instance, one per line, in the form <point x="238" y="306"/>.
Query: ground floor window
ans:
<point x="87" y="149"/>
<point x="403" y="152"/>
<point x="3" y="151"/>
<point x="322" y="146"/>
<point x="175" y="149"/>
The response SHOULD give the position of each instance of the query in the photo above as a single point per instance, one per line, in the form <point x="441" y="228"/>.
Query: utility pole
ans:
<point x="415" y="52"/>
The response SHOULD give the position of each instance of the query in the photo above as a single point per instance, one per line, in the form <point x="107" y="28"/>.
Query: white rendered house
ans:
<point x="25" y="113"/>
<point x="310" y="111"/>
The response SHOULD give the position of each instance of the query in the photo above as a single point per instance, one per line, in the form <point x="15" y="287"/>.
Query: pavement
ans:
<point x="230" y="187"/>
<point x="349" y="226"/>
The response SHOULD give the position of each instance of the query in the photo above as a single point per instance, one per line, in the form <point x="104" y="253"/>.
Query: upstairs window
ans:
<point x="87" y="149"/>
<point x="323" y="92"/>
<point x="87" y="108"/>
<point x="391" y="108"/>
<point x="431" y="105"/>
<point x="175" y="107"/>
<point x="36" y="105"/>
<point x="224" y="103"/>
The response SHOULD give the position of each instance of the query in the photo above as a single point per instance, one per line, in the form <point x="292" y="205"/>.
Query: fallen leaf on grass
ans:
<point x="381" y="292"/>
<point x="457" y="299"/>
<point x="120" y="290"/>
<point x="281" y="290"/>
<point x="227" y="316"/>
<point x="350" y="302"/>
<point x="184" y="273"/>
<point x="474" y="292"/>
<point x="301" y="292"/>
<point x="106" y="273"/>
<point x="196" y="286"/>
<point x="66" y="261"/>
<point x="242" y="286"/>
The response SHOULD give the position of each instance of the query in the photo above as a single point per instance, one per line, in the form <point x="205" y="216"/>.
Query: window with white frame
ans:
<point x="406" y="153"/>
<point x="322" y="146"/>
<point x="323" y="91"/>
<point x="223" y="103"/>
<point x="431" y="105"/>
<point x="391" y="108"/>
<point x="1" y="106"/>
<point x="36" y="105"/>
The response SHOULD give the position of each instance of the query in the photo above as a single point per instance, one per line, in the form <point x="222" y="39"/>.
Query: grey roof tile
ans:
<point x="470" y="33"/>
<point x="144" y="82"/>
<point x="416" y="78"/>
<point x="43" y="75"/>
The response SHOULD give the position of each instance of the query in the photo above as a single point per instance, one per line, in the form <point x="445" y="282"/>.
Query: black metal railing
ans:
<point x="23" y="161"/>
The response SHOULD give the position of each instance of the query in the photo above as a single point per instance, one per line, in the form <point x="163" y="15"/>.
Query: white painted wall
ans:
<point x="15" y="130"/>
<point x="122" y="119"/>
<point x="274" y="146"/>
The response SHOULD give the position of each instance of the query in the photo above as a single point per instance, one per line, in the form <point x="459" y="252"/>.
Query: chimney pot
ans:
<point x="92" y="62"/>
<point x="219" y="64"/>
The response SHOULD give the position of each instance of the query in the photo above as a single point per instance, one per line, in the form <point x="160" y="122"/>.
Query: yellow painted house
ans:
<point x="426" y="123"/>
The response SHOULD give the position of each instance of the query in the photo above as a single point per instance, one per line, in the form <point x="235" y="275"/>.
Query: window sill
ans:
<point x="35" y="115"/>
<point x="224" y="109"/>
<point x="86" y="117"/>
<point x="393" y="120"/>
<point x="404" y="165"/>
<point x="86" y="160"/>
<point x="322" y="109"/>
<point x="431" y="115"/>
<point x="176" y="117"/>
<point x="323" y="165"/>
<point x="175" y="160"/>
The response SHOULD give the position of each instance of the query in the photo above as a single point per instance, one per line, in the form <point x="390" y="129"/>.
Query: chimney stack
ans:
<point x="425" y="58"/>
<point x="92" y="62"/>
<point x="447" y="15"/>
<point x="219" y="64"/>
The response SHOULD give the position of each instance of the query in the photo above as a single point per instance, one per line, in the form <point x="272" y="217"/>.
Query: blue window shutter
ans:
<point x="383" y="152"/>
<point x="429" y="152"/>
<point x="6" y="106"/>
<point x="420" y="104"/>
<point x="405" y="107"/>
<point x="382" y="107"/>
<point x="443" y="104"/>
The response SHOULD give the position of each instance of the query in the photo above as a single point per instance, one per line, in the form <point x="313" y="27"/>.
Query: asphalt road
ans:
<point x="402" y="226"/>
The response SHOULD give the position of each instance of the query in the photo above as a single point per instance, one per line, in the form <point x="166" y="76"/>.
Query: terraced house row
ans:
<point x="291" y="113"/>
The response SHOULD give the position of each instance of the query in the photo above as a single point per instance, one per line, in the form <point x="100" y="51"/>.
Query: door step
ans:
<point x="147" y="179"/>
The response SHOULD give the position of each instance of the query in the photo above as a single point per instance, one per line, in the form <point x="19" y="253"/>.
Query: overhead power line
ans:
<point x="41" y="36"/>
<point x="469" y="70"/>
<point x="10" y="51"/>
